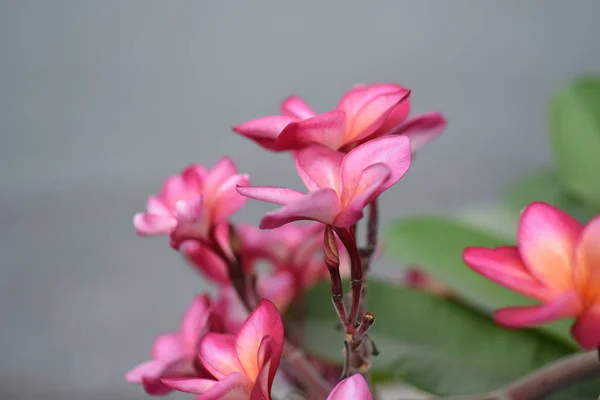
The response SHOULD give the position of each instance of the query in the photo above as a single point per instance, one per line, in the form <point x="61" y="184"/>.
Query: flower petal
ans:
<point x="421" y="129"/>
<point x="393" y="151"/>
<point x="194" y="322"/>
<point x="586" y="329"/>
<point x="168" y="347"/>
<point x="218" y="354"/>
<point x="562" y="306"/>
<point x="504" y="266"/>
<point x="587" y="261"/>
<point x="205" y="261"/>
<point x="319" y="167"/>
<point x="354" y="387"/>
<point x="193" y="177"/>
<point x="296" y="107"/>
<point x="277" y="287"/>
<point x="546" y="237"/>
<point x="157" y="207"/>
<point x="326" y="129"/>
<point x="148" y="374"/>
<point x="231" y="309"/>
<point x="224" y="169"/>
<point x="227" y="199"/>
<point x="151" y="224"/>
<point x="173" y="190"/>
<point x="264" y="131"/>
<point x="265" y="321"/>
<point x="232" y="387"/>
<point x="322" y="205"/>
<point x="271" y="194"/>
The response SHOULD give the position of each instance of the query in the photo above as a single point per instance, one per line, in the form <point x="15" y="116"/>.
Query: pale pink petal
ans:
<point x="232" y="387"/>
<point x="218" y="354"/>
<point x="421" y="129"/>
<point x="271" y="194"/>
<point x="586" y="329"/>
<point x="352" y="388"/>
<point x="190" y="385"/>
<point x="231" y="308"/>
<point x="587" y="261"/>
<point x="157" y="207"/>
<point x="262" y="386"/>
<point x="151" y="224"/>
<point x="168" y="347"/>
<point x="173" y="190"/>
<point x="371" y="184"/>
<point x="193" y="177"/>
<point x="265" y="321"/>
<point x="296" y="107"/>
<point x="326" y="129"/>
<point x="148" y="374"/>
<point x="546" y="237"/>
<point x="563" y="306"/>
<point x="319" y="167"/>
<point x="195" y="320"/>
<point x="264" y="131"/>
<point x="393" y="151"/>
<point x="205" y="261"/>
<point x="218" y="174"/>
<point x="228" y="200"/>
<point x="190" y="210"/>
<point x="504" y="266"/>
<point x="322" y="205"/>
<point x="277" y="287"/>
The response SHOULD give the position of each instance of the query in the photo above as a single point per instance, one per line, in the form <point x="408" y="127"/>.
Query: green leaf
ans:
<point x="435" y="345"/>
<point x="436" y="244"/>
<point x="574" y="119"/>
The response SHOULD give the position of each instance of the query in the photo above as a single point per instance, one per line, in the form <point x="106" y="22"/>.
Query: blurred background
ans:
<point x="101" y="100"/>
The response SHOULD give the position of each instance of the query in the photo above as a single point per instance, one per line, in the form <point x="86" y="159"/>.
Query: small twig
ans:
<point x="356" y="272"/>
<point x="332" y="261"/>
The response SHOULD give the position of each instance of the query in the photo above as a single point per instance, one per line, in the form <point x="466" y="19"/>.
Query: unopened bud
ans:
<point x="330" y="248"/>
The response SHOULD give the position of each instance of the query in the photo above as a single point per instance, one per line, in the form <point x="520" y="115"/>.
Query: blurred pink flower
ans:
<point x="354" y="387"/>
<point x="363" y="113"/>
<point x="175" y="354"/>
<point x="190" y="204"/>
<point x="557" y="262"/>
<point x="340" y="185"/>
<point x="244" y="364"/>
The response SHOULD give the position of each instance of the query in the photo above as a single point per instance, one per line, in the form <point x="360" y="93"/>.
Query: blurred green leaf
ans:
<point x="438" y="346"/>
<point x="436" y="244"/>
<point x="574" y="119"/>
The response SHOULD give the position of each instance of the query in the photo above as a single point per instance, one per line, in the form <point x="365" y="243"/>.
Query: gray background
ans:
<point x="100" y="100"/>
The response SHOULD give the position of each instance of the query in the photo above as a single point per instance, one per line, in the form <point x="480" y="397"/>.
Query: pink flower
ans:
<point x="352" y="388"/>
<point x="175" y="354"/>
<point x="363" y="113"/>
<point x="243" y="365"/>
<point x="190" y="204"/>
<point x="557" y="262"/>
<point x="340" y="185"/>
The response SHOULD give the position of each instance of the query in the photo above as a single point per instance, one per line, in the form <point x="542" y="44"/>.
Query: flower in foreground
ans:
<point x="340" y="185"/>
<point x="557" y="262"/>
<point x="244" y="364"/>
<point x="175" y="354"/>
<point x="354" y="387"/>
<point x="363" y="113"/>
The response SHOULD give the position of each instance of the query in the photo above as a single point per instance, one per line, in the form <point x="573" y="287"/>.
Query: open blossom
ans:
<point x="354" y="387"/>
<point x="175" y="354"/>
<point x="557" y="262"/>
<point x="190" y="204"/>
<point x="243" y="365"/>
<point x="340" y="185"/>
<point x="363" y="113"/>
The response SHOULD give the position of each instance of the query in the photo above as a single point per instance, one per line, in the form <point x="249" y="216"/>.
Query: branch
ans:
<point x="546" y="380"/>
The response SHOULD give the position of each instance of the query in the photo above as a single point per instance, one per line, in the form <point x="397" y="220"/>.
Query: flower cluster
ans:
<point x="231" y="347"/>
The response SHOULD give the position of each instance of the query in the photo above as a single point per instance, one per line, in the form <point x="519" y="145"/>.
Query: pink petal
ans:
<point x="231" y="308"/>
<point x="218" y="354"/>
<point x="586" y="329"/>
<point x="265" y="321"/>
<point x="421" y="129"/>
<point x="277" y="287"/>
<point x="151" y="224"/>
<point x="190" y="210"/>
<point x="504" y="266"/>
<point x="296" y="107"/>
<point x="173" y="190"/>
<point x="319" y="167"/>
<point x="354" y="387"/>
<point x="326" y="129"/>
<point x="546" y="237"/>
<point x="205" y="261"/>
<point x="194" y="322"/>
<point x="157" y="207"/>
<point x="148" y="374"/>
<point x="224" y="169"/>
<point x="262" y="387"/>
<point x="371" y="184"/>
<point x="227" y="200"/>
<point x="271" y="194"/>
<point x="193" y="177"/>
<point x="322" y="205"/>
<point x="168" y="347"/>
<point x="393" y="151"/>
<point x="264" y="131"/>
<point x="232" y="387"/>
<point x="563" y="306"/>
<point x="587" y="261"/>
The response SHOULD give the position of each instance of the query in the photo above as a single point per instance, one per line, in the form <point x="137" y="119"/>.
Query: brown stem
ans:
<point x="356" y="272"/>
<point x="546" y="380"/>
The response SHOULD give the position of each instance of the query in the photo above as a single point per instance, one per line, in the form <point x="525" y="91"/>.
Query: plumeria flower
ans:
<point x="175" y="354"/>
<point x="557" y="262"/>
<point x="363" y="113"/>
<point x="340" y="185"/>
<point x="244" y="364"/>
<point x="190" y="204"/>
<point x="354" y="387"/>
